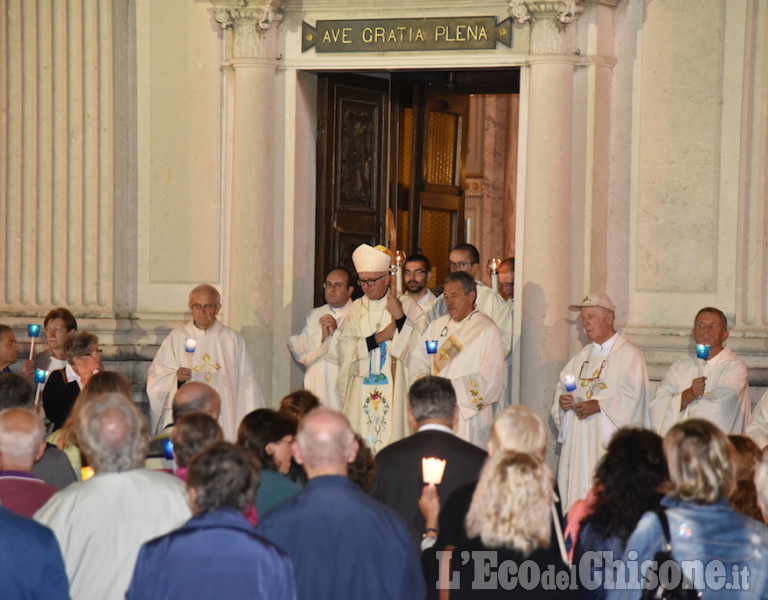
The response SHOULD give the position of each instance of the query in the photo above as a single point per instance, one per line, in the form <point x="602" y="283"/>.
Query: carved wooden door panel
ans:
<point x="352" y="142"/>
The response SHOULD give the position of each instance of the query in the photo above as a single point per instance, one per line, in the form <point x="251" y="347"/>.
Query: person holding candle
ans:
<point x="220" y="359"/>
<point x="466" y="258"/>
<point x="374" y="350"/>
<point x="611" y="392"/>
<point x="715" y="388"/>
<point x="317" y="345"/>
<point x="63" y="386"/>
<point x="58" y="324"/>
<point x="470" y="353"/>
<point x="432" y="413"/>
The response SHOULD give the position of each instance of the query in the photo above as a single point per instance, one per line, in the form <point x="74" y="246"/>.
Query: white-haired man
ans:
<point x="219" y="358"/>
<point x="101" y="523"/>
<point x="611" y="392"/>
<point x="22" y="444"/>
<point x="374" y="350"/>
<point x="343" y="543"/>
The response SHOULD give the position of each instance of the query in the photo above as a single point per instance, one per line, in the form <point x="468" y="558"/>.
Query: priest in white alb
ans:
<point x="317" y="345"/>
<point x="465" y="346"/>
<point x="218" y="357"/>
<point x="374" y="349"/>
<point x="610" y="390"/>
<point x="715" y="388"/>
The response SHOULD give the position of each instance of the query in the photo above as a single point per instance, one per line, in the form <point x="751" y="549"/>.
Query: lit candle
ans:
<point x="493" y="269"/>
<point x="34" y="332"/>
<point x="399" y="262"/>
<point x="431" y="346"/>
<point x="40" y="376"/>
<point x="702" y="352"/>
<point x="86" y="473"/>
<point x="569" y="381"/>
<point x="432" y="470"/>
<point x="189" y="347"/>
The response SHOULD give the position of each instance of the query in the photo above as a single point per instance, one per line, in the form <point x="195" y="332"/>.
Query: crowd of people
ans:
<point x="217" y="495"/>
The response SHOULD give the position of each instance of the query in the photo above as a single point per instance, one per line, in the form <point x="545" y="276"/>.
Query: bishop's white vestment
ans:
<point x="320" y="356"/>
<point x="373" y="384"/>
<point x="725" y="401"/>
<point x="220" y="359"/>
<point x="615" y="375"/>
<point x="471" y="354"/>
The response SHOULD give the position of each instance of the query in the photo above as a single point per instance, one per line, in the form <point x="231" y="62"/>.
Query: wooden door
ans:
<point x="352" y="143"/>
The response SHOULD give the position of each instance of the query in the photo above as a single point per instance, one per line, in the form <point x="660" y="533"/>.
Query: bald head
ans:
<point x="196" y="396"/>
<point x="21" y="439"/>
<point x="325" y="443"/>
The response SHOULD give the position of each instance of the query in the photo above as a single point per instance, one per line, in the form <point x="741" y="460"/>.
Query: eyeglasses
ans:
<point x="460" y="265"/>
<point x="595" y="377"/>
<point x="363" y="282"/>
<point x="337" y="286"/>
<point x="415" y="272"/>
<point x="206" y="307"/>
<point x="94" y="354"/>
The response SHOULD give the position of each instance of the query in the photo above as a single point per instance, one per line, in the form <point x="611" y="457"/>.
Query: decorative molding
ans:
<point x="549" y="20"/>
<point x="252" y="23"/>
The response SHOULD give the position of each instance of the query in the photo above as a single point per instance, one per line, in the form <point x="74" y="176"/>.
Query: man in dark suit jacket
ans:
<point x="432" y="413"/>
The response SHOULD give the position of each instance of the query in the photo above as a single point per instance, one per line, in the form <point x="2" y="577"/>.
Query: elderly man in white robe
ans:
<point x="467" y="349"/>
<point x="611" y="391"/>
<point x="715" y="388"/>
<point x="219" y="358"/>
<point x="465" y="257"/>
<point x="317" y="345"/>
<point x="374" y="348"/>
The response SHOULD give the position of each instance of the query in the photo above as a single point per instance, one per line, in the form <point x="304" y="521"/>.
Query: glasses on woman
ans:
<point x="94" y="354"/>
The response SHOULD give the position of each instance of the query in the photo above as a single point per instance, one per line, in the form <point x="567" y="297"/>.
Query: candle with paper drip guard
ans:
<point x="189" y="347"/>
<point x="432" y="470"/>
<point x="569" y="381"/>
<point x="399" y="262"/>
<point x="493" y="269"/>
<point x="40" y="376"/>
<point x="702" y="352"/>
<point x="34" y="332"/>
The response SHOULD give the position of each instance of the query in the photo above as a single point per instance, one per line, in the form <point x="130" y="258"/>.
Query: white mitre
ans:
<point x="368" y="259"/>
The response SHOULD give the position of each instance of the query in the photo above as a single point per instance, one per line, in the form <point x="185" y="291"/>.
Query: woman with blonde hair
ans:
<point x="705" y="527"/>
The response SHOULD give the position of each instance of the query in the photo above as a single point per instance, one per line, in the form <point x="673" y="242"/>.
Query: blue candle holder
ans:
<point x="190" y="344"/>
<point x="702" y="351"/>
<point x="40" y="375"/>
<point x="431" y="346"/>
<point x="569" y="381"/>
<point x="33" y="330"/>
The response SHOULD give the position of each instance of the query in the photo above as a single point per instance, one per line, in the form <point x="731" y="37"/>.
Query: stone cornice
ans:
<point x="253" y="24"/>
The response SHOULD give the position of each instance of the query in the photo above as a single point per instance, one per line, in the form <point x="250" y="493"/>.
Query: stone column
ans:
<point x="249" y="287"/>
<point x="544" y="277"/>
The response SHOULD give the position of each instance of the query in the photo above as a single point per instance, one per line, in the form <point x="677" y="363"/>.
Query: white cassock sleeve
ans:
<point x="757" y="428"/>
<point x="308" y="345"/>
<point x="161" y="381"/>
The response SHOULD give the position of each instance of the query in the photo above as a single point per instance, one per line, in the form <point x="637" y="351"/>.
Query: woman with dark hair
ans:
<point x="268" y="435"/>
<point x="743" y="496"/>
<point x="627" y="484"/>
<point x="64" y="385"/>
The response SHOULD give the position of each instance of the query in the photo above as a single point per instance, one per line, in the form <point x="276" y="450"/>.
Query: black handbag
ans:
<point x="673" y="585"/>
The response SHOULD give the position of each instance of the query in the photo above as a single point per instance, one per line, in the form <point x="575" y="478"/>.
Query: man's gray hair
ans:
<point x="209" y="289"/>
<point x="21" y="434"/>
<point x="112" y="433"/>
<point x="465" y="279"/>
<point x="432" y="398"/>
<point x="325" y="438"/>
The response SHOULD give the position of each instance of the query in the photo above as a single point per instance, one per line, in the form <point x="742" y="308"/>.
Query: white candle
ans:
<point x="432" y="470"/>
<point x="34" y="331"/>
<point x="493" y="269"/>
<point x="189" y="347"/>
